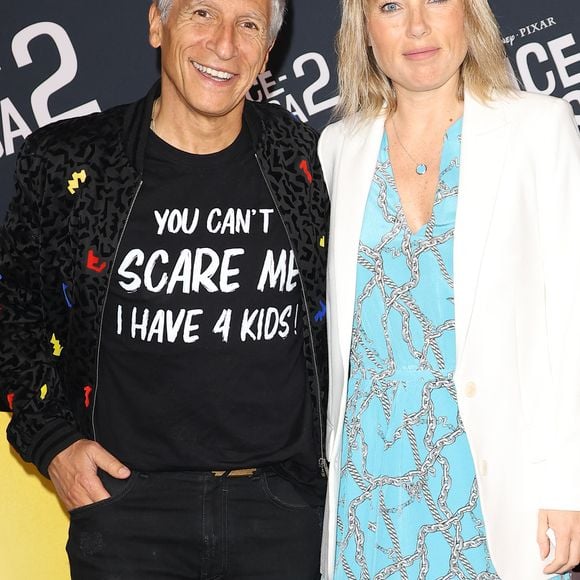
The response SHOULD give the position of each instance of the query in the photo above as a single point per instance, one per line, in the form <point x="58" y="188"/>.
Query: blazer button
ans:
<point x="470" y="389"/>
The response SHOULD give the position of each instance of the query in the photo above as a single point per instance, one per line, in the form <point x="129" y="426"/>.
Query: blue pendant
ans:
<point x="421" y="169"/>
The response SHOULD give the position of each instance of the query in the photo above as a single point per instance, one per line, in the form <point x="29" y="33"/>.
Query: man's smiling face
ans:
<point x="211" y="52"/>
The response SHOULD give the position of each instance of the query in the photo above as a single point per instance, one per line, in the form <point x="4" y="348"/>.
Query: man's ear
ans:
<point x="155" y="26"/>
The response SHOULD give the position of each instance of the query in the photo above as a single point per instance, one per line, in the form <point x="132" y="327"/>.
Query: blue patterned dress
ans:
<point x="408" y="501"/>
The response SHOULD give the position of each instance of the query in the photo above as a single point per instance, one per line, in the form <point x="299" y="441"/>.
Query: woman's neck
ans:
<point x="420" y="111"/>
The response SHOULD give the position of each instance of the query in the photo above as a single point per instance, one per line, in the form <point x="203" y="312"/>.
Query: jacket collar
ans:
<point x="136" y="125"/>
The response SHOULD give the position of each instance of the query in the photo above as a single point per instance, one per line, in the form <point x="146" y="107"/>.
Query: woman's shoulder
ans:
<point x="534" y="118"/>
<point x="336" y="130"/>
<point x="355" y="127"/>
<point x="525" y="103"/>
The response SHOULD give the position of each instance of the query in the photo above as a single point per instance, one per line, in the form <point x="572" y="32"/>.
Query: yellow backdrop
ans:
<point x="33" y="526"/>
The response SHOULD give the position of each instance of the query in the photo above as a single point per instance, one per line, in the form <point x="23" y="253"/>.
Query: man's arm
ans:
<point x="43" y="429"/>
<point x="42" y="425"/>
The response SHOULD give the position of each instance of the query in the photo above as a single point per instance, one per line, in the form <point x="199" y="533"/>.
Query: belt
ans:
<point x="246" y="472"/>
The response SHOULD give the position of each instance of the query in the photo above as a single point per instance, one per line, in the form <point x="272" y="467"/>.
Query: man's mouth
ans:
<point x="218" y="75"/>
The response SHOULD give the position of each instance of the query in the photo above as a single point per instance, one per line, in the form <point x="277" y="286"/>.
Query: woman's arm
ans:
<point x="558" y="190"/>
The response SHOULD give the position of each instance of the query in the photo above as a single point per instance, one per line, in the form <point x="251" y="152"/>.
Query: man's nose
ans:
<point x="224" y="41"/>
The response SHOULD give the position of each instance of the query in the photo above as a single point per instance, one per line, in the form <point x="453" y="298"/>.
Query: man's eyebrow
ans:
<point x="191" y="3"/>
<point x="256" y="14"/>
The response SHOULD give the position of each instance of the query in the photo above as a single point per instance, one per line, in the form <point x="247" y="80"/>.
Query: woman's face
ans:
<point x="419" y="44"/>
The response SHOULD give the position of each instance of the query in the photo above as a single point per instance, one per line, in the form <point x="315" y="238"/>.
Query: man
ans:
<point x="163" y="335"/>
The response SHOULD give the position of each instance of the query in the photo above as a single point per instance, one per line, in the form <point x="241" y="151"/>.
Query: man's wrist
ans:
<point x="56" y="436"/>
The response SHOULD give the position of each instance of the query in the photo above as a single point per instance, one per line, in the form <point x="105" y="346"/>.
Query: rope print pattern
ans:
<point x="408" y="503"/>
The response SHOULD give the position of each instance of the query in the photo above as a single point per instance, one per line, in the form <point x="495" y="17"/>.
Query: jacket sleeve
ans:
<point x="42" y="425"/>
<point x="558" y="195"/>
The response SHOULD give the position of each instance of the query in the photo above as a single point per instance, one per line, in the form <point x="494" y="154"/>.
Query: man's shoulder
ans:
<point x="70" y="134"/>
<point x="278" y="120"/>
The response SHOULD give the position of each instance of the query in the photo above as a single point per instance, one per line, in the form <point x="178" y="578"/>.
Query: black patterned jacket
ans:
<point x="75" y="184"/>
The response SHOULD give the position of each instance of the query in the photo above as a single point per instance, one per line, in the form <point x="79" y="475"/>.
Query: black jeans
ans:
<point x="190" y="526"/>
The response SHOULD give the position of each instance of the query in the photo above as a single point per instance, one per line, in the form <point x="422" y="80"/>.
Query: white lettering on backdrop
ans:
<point x="13" y="124"/>
<point x="547" y="67"/>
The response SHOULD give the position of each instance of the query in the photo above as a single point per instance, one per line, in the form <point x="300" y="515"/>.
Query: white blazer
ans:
<point x="517" y="310"/>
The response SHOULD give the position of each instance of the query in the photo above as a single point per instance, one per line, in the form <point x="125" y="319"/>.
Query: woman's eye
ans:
<point x="389" y="7"/>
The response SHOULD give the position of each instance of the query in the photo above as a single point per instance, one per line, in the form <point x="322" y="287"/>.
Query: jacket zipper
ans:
<point x="113" y="262"/>
<point x="321" y="460"/>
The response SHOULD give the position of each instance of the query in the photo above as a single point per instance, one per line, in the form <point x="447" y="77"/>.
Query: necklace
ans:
<point x="420" y="168"/>
<point x="154" y="114"/>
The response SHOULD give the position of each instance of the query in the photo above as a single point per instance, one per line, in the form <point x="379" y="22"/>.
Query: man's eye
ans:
<point x="201" y="13"/>
<point x="250" y="25"/>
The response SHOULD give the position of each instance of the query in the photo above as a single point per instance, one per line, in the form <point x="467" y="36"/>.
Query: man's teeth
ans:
<point x="218" y="74"/>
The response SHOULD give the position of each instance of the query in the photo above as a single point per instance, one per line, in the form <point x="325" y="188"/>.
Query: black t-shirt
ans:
<point x="201" y="362"/>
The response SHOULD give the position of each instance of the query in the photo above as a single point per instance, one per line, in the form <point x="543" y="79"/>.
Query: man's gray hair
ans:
<point x="276" y="19"/>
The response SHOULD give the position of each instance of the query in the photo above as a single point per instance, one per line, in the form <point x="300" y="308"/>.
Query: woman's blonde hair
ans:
<point x="365" y="89"/>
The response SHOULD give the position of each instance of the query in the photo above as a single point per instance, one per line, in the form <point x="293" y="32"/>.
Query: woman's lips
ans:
<point x="421" y="53"/>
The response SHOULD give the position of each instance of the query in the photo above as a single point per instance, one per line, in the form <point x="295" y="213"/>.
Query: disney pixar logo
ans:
<point x="530" y="29"/>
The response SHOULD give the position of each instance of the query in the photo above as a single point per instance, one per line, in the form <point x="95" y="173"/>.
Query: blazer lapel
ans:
<point x="483" y="153"/>
<point x="352" y="181"/>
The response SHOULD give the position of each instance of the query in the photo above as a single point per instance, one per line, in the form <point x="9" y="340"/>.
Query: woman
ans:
<point x="453" y="425"/>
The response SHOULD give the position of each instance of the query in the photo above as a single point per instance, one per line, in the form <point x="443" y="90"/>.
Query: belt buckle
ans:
<point x="245" y="472"/>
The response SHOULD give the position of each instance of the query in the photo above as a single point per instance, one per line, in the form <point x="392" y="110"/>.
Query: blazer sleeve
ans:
<point x="328" y="144"/>
<point x="30" y="386"/>
<point x="558" y="199"/>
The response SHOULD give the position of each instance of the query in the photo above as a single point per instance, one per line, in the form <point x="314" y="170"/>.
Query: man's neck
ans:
<point x="192" y="132"/>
